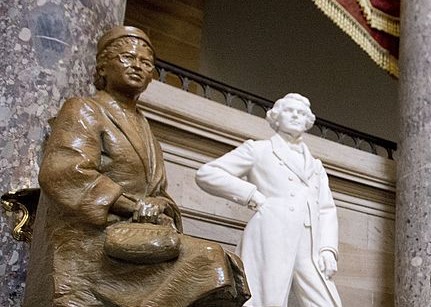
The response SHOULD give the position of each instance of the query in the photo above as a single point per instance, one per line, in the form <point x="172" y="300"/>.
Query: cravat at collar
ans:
<point x="296" y="147"/>
<point x="295" y="144"/>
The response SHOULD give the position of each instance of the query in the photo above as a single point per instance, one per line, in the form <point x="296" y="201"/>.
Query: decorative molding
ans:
<point x="213" y="219"/>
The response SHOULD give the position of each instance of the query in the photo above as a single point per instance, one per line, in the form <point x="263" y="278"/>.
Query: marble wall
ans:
<point x="48" y="53"/>
<point x="413" y="236"/>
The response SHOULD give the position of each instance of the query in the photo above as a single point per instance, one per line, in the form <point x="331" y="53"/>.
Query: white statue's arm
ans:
<point x="222" y="177"/>
<point x="328" y="228"/>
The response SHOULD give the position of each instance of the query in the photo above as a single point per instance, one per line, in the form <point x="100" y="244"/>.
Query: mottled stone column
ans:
<point x="413" y="211"/>
<point x="47" y="53"/>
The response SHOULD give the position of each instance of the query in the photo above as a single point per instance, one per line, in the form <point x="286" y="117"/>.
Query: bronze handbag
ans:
<point x="142" y="243"/>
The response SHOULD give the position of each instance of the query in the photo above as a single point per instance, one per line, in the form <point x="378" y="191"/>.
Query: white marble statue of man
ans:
<point x="292" y="239"/>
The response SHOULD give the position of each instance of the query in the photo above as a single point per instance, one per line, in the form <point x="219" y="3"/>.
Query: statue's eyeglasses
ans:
<point x="129" y="59"/>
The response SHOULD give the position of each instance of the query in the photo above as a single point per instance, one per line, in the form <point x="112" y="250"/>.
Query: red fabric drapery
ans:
<point x="372" y="24"/>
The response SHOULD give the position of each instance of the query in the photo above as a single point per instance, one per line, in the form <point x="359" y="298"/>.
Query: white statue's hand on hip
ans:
<point x="257" y="201"/>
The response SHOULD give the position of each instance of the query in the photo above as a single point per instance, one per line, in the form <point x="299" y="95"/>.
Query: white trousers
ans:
<point x="305" y="281"/>
<point x="307" y="284"/>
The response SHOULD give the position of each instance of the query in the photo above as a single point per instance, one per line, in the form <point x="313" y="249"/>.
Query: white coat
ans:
<point x="295" y="198"/>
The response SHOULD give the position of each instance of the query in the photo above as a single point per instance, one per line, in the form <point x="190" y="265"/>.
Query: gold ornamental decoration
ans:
<point x="380" y="41"/>
<point x="380" y="20"/>
<point x="23" y="204"/>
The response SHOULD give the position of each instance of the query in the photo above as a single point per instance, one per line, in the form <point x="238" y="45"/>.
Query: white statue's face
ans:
<point x="293" y="119"/>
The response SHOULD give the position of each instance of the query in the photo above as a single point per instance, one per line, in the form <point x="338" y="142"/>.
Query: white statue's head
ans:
<point x="291" y="114"/>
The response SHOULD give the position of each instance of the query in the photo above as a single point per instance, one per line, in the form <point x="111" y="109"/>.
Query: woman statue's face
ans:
<point x="130" y="70"/>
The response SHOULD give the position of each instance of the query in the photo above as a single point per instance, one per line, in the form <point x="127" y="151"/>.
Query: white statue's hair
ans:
<point x="279" y="106"/>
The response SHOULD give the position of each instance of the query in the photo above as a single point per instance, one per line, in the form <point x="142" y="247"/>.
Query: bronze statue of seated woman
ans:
<point x="103" y="198"/>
